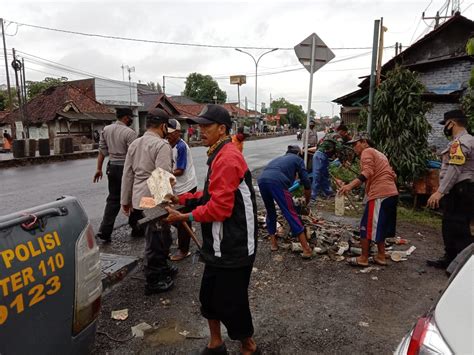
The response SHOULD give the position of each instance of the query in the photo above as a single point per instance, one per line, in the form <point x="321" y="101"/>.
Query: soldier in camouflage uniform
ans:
<point x="456" y="188"/>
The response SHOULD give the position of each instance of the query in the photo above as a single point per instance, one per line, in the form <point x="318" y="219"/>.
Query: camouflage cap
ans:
<point x="358" y="136"/>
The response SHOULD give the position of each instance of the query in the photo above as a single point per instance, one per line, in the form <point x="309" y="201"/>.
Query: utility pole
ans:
<point x="164" y="85"/>
<point x="123" y="72"/>
<point x="246" y="107"/>
<point x="372" y="74"/>
<point x="436" y="18"/>
<point x="16" y="64"/>
<point x="6" y="68"/>
<point x="383" y="29"/>
<point x="25" y="100"/>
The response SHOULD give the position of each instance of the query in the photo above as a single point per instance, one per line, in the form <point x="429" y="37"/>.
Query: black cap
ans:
<point x="455" y="115"/>
<point x="122" y="112"/>
<point x="212" y="114"/>
<point x="157" y="115"/>
<point x="312" y="121"/>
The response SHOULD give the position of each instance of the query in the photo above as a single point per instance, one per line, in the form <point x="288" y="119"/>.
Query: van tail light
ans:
<point x="424" y="339"/>
<point x="88" y="281"/>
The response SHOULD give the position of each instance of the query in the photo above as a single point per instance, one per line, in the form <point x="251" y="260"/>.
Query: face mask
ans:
<point x="448" y="131"/>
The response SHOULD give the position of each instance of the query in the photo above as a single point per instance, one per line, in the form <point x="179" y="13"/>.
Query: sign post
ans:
<point x="313" y="54"/>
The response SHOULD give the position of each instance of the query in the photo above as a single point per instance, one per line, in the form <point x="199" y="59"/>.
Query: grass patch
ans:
<point x="423" y="217"/>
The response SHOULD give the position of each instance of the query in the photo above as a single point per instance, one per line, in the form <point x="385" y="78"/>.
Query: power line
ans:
<point x="201" y="45"/>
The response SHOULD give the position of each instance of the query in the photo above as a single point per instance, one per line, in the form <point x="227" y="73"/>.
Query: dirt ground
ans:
<point x="298" y="306"/>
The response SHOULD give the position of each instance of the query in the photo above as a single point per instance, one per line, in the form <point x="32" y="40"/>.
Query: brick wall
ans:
<point x="458" y="71"/>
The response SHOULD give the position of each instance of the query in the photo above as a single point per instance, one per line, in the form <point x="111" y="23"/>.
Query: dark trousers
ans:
<point x="157" y="248"/>
<point x="183" y="237"/>
<point x="224" y="297"/>
<point x="458" y="207"/>
<point x="112" y="206"/>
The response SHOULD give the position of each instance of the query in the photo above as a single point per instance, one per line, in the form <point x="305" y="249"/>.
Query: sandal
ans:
<point x="220" y="350"/>
<point x="179" y="256"/>
<point x="355" y="262"/>
<point x="374" y="260"/>
<point x="306" y="256"/>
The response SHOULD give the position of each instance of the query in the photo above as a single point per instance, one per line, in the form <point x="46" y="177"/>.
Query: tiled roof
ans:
<point x="51" y="102"/>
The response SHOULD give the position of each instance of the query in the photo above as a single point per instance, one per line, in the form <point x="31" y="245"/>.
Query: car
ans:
<point x="447" y="328"/>
<point x="50" y="280"/>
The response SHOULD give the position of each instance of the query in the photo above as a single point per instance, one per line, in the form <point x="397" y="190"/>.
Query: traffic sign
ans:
<point x="322" y="54"/>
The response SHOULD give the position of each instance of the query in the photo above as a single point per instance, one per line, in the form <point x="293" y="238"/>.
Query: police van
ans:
<point x="50" y="280"/>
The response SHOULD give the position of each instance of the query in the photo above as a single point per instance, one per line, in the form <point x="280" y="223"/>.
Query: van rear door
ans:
<point x="50" y="284"/>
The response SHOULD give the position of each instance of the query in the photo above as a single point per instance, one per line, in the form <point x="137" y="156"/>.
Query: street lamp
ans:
<point x="256" y="69"/>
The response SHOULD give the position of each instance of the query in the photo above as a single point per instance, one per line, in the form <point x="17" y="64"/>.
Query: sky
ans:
<point x="345" y="26"/>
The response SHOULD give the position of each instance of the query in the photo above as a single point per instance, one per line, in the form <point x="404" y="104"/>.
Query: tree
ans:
<point x="400" y="129"/>
<point x="154" y="87"/>
<point x="5" y="101"/>
<point x="467" y="100"/>
<point x="295" y="116"/>
<point x="37" y="87"/>
<point x="202" y="89"/>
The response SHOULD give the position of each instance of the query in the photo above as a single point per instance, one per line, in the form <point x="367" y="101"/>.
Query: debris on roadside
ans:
<point x="364" y="324"/>
<point x="121" y="314"/>
<point x="138" y="331"/>
<point x="336" y="240"/>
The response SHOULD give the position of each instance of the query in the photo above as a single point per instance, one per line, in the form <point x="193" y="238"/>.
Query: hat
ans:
<point x="173" y="125"/>
<point x="358" y="136"/>
<point x="312" y="121"/>
<point x="455" y="115"/>
<point x="122" y="112"/>
<point x="157" y="115"/>
<point x="294" y="149"/>
<point x="212" y="114"/>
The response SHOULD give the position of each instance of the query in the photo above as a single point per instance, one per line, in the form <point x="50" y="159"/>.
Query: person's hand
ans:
<point x="174" y="199"/>
<point x="98" y="175"/>
<point x="126" y="209"/>
<point x="174" y="216"/>
<point x="344" y="190"/>
<point x="172" y="181"/>
<point x="433" y="201"/>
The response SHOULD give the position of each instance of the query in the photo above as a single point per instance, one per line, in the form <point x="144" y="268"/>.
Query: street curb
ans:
<point x="14" y="163"/>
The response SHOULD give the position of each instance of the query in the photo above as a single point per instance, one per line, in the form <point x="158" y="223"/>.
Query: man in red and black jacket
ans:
<point x="227" y="211"/>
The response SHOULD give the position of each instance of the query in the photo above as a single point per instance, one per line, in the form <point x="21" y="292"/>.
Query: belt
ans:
<point x="117" y="162"/>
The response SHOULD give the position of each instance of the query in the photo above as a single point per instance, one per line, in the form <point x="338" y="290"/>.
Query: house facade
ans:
<point x="443" y="66"/>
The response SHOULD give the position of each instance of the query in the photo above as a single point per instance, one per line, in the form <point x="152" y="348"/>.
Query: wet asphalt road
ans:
<point x="24" y="187"/>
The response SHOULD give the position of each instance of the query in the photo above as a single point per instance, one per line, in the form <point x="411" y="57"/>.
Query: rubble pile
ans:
<point x="335" y="240"/>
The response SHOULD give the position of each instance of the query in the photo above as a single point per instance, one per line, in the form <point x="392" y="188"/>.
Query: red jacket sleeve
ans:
<point x="189" y="195"/>
<point x="228" y="169"/>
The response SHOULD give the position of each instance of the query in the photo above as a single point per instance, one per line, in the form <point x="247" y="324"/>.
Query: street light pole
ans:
<point x="256" y="61"/>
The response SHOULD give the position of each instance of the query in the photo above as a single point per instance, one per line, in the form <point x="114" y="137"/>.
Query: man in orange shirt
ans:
<point x="380" y="215"/>
<point x="238" y="139"/>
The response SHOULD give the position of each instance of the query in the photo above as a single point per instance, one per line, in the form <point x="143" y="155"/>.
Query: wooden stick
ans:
<point x="191" y="234"/>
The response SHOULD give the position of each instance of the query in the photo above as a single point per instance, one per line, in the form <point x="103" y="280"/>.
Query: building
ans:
<point x="60" y="111"/>
<point x="443" y="66"/>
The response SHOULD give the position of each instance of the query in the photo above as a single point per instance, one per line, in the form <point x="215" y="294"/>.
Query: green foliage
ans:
<point x="363" y="116"/>
<point x="400" y="129"/>
<point x="467" y="103"/>
<point x="345" y="174"/>
<point x="202" y="88"/>
<point x="295" y="116"/>
<point x="470" y="46"/>
<point x="37" y="87"/>
<point x="5" y="101"/>
<point x="154" y="86"/>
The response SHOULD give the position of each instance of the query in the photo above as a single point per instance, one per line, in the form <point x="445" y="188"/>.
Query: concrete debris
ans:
<point x="375" y="278"/>
<point x="334" y="239"/>
<point x="369" y="269"/>
<point x="278" y="258"/>
<point x="121" y="314"/>
<point x="184" y="333"/>
<point x="139" y="330"/>
<point x="364" y="324"/>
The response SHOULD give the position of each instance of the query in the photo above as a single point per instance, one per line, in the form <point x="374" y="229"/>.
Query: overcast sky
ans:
<point x="282" y="24"/>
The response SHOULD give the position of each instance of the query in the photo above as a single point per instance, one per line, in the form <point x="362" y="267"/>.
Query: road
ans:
<point x="24" y="187"/>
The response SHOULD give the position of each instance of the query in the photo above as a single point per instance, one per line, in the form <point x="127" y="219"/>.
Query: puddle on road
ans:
<point x="169" y="334"/>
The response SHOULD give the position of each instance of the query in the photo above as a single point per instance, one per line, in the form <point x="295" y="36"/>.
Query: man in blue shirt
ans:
<point x="321" y="181"/>
<point x="274" y="182"/>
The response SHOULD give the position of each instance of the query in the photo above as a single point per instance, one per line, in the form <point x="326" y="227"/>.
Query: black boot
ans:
<point x="162" y="285"/>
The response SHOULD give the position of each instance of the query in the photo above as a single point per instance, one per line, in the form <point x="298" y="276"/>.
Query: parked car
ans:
<point x="448" y="327"/>
<point x="50" y="280"/>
